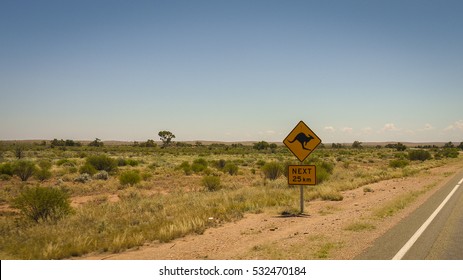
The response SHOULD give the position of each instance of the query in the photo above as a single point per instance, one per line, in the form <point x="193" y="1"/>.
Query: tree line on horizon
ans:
<point x="166" y="137"/>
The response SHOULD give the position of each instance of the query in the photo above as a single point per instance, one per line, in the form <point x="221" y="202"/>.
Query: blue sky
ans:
<point x="231" y="70"/>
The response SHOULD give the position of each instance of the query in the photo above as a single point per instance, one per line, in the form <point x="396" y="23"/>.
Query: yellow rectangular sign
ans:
<point x="302" y="175"/>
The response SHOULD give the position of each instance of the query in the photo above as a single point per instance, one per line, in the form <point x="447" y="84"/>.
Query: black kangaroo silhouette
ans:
<point x="303" y="139"/>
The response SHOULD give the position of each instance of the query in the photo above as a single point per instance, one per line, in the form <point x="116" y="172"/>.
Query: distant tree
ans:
<point x="336" y="145"/>
<point x="96" y="143"/>
<point x="72" y="143"/>
<point x="357" y="145"/>
<point x="262" y="145"/>
<point x="400" y="147"/>
<point x="57" y="143"/>
<point x="149" y="144"/>
<point x="166" y="137"/>
<point x="460" y="146"/>
<point x="449" y="145"/>
<point x="19" y="151"/>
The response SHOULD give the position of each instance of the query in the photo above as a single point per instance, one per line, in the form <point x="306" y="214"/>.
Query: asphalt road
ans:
<point x="441" y="238"/>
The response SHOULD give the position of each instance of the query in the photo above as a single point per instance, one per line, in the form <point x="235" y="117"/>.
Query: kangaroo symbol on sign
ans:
<point x="303" y="139"/>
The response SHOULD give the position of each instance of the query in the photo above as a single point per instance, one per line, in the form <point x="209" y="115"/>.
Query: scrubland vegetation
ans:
<point x="62" y="199"/>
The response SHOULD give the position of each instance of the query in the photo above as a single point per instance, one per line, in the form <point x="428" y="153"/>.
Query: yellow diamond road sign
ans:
<point x="301" y="141"/>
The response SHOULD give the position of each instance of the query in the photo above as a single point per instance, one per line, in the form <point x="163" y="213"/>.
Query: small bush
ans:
<point x="45" y="164"/>
<point x="43" y="204"/>
<point x="231" y="168"/>
<point x="132" y="162"/>
<point x="212" y="183"/>
<point x="199" y="165"/>
<point x="330" y="194"/>
<point x="272" y="170"/>
<point x="450" y="153"/>
<point x="398" y="163"/>
<point x="124" y="162"/>
<point x="102" y="175"/>
<point x="368" y="189"/>
<point x="43" y="174"/>
<point x="321" y="175"/>
<point x="328" y="166"/>
<point x="145" y="176"/>
<point x="24" y="169"/>
<point x="7" y="169"/>
<point x="83" y="178"/>
<point x="102" y="162"/>
<point x="87" y="168"/>
<point x="186" y="167"/>
<point x="121" y="162"/>
<point x="130" y="177"/>
<point x="220" y="164"/>
<point x="419" y="155"/>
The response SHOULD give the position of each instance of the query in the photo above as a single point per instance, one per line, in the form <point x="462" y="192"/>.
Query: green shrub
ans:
<point x="45" y="164"/>
<point x="24" y="169"/>
<point x="398" y="163"/>
<point x="186" y="167"/>
<point x="419" y="155"/>
<point x="43" y="174"/>
<point x="328" y="166"/>
<point x="220" y="164"/>
<point x="322" y="175"/>
<point x="65" y="162"/>
<point x="130" y="177"/>
<point x="87" y="168"/>
<point x="7" y="169"/>
<point x="231" y="168"/>
<point x="102" y="162"/>
<point x="272" y="170"/>
<point x="212" y="183"/>
<point x="124" y="162"/>
<point x="199" y="165"/>
<point x="450" y="152"/>
<point x="132" y="162"/>
<point x="43" y="203"/>
<point x="121" y="162"/>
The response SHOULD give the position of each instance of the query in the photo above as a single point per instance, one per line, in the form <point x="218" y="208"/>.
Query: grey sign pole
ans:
<point x="301" y="187"/>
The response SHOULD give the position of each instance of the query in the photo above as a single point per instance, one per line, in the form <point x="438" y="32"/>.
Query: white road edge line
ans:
<point x="423" y="227"/>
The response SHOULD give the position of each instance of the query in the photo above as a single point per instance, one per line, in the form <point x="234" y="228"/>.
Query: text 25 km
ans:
<point x="278" y="270"/>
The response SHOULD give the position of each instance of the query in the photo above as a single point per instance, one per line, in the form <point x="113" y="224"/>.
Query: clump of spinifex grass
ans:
<point x="360" y="226"/>
<point x="113" y="227"/>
